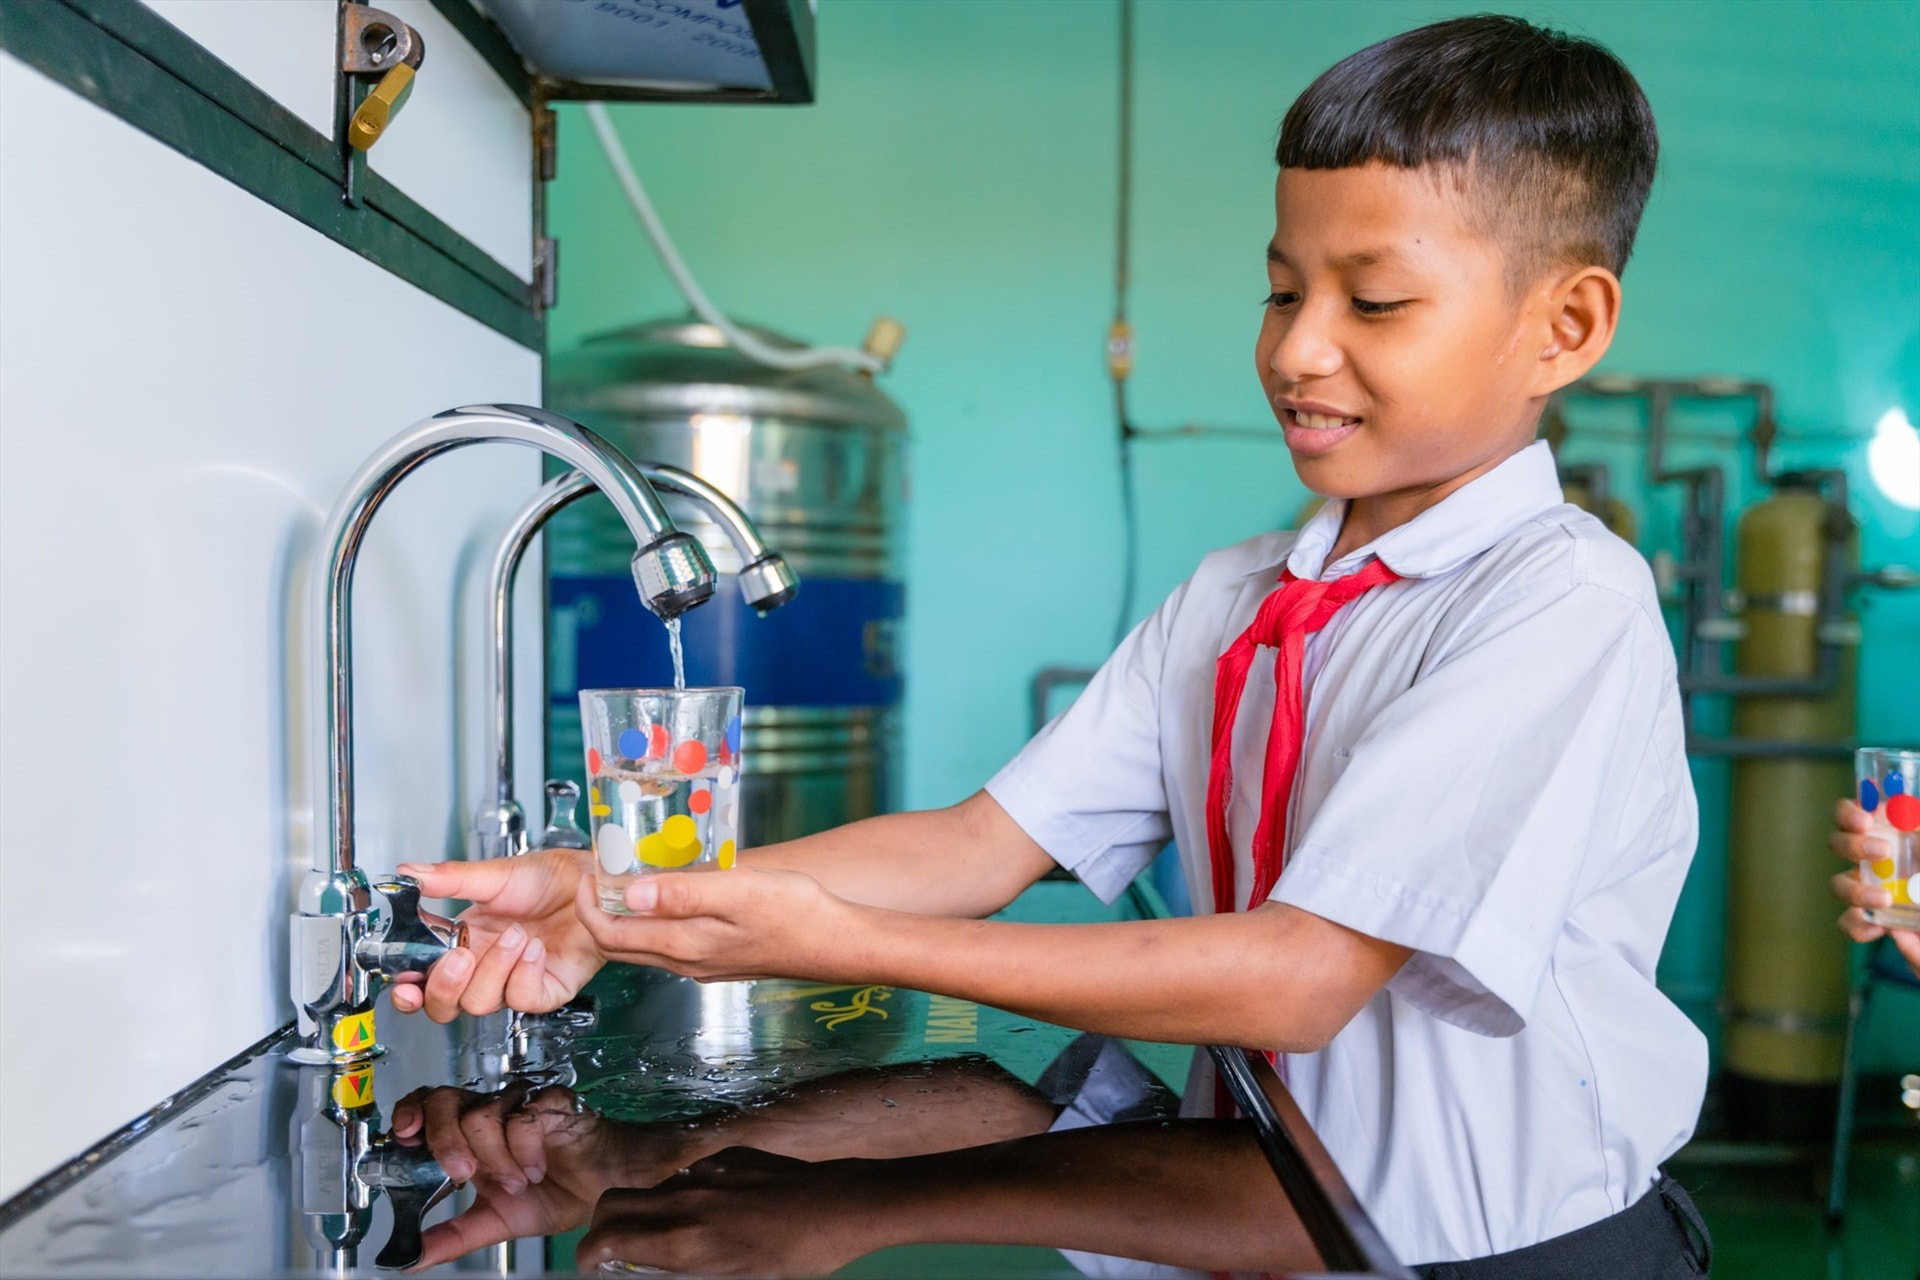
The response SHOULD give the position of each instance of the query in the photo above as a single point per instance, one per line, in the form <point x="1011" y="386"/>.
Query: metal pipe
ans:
<point x="671" y="571"/>
<point x="766" y="583"/>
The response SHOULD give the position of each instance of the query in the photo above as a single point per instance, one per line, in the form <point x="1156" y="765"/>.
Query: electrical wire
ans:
<point x="1120" y="362"/>
<point x="744" y="342"/>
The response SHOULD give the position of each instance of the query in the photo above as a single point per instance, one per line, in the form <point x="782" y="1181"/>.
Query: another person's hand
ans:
<point x="745" y="922"/>
<point x="1854" y="842"/>
<point x="526" y="949"/>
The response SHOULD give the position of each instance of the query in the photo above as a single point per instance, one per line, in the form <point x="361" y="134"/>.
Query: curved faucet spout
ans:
<point x="671" y="570"/>
<point x="766" y="582"/>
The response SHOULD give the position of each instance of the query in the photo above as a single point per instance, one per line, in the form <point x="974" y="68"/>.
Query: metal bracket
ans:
<point x="373" y="41"/>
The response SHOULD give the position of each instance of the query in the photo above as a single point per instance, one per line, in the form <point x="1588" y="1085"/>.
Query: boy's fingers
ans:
<point x="446" y="982"/>
<point x="475" y="881"/>
<point x="485" y="991"/>
<point x="1849" y="816"/>
<point x="407" y="997"/>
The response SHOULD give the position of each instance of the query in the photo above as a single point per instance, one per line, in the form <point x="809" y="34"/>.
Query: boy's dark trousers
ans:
<point x="1661" y="1237"/>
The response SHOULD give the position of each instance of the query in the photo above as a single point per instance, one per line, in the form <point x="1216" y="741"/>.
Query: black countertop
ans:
<point x="769" y="1128"/>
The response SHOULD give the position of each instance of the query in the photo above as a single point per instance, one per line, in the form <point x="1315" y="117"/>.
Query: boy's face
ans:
<point x="1395" y="353"/>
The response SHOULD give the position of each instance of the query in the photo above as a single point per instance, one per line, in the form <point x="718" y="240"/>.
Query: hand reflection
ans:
<point x="745" y="1212"/>
<point x="1195" y="1194"/>
<point x="538" y="1161"/>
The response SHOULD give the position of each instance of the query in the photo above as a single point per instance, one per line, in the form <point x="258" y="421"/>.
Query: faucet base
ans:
<point x="309" y="1055"/>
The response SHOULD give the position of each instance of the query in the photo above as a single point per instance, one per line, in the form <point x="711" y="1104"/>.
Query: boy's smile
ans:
<point x="1395" y="352"/>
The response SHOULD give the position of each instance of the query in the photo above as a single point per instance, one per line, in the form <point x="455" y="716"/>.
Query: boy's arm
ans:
<point x="529" y="949"/>
<point x="968" y="860"/>
<point x="1275" y="978"/>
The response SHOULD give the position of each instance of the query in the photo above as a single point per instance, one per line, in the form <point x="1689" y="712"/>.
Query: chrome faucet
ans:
<point x="343" y="944"/>
<point x="766" y="583"/>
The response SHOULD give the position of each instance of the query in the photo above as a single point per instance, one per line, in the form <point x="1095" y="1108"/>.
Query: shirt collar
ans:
<point x="1444" y="536"/>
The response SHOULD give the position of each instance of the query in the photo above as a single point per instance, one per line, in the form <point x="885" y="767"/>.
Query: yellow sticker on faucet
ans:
<point x="355" y="1034"/>
<point x="354" y="1088"/>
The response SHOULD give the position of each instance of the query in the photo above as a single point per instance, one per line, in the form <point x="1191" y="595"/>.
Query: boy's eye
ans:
<point x="1280" y="298"/>
<point x="1369" y="307"/>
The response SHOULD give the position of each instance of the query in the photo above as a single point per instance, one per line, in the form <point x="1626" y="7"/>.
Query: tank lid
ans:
<point x="684" y="365"/>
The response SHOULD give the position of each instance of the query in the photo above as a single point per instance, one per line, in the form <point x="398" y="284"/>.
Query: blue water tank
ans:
<point x="818" y="460"/>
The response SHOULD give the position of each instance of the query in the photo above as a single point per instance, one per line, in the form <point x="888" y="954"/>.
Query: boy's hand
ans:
<point x="1853" y="843"/>
<point x="745" y="922"/>
<point x="525" y="947"/>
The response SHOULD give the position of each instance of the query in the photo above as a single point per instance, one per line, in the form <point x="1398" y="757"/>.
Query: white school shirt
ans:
<point x="1493" y="773"/>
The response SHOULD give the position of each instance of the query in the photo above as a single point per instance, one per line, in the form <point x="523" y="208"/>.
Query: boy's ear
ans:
<point x="1581" y="311"/>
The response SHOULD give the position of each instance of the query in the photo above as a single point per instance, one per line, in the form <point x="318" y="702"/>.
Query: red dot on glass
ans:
<point x="658" y="741"/>
<point x="1903" y="812"/>
<point x="593" y="760"/>
<point x="689" y="757"/>
<point x="700" y="801"/>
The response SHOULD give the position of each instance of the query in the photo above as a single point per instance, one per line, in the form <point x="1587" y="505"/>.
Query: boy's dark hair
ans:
<point x="1546" y="135"/>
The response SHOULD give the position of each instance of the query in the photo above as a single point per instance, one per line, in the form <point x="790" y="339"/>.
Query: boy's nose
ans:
<point x="1304" y="351"/>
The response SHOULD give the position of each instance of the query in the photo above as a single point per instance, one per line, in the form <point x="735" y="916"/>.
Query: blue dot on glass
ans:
<point x="633" y="744"/>
<point x="733" y="735"/>
<point x="1895" y="784"/>
<point x="1869" y="795"/>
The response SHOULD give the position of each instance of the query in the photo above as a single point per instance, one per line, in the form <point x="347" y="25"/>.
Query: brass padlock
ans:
<point x="376" y="112"/>
<point x="374" y="42"/>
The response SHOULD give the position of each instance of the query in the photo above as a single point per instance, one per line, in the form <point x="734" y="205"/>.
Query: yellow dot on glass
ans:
<point x="726" y="854"/>
<point x="593" y="795"/>
<point x="1901" y="898"/>
<point x="680" y="832"/>
<point x="1884" y="868"/>
<point x="653" y="851"/>
<point x="599" y="810"/>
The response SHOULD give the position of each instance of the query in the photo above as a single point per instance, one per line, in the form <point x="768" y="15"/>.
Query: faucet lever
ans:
<point x="414" y="940"/>
<point x="414" y="1183"/>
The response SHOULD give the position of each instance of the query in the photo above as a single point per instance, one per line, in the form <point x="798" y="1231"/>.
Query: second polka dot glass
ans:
<point x="1889" y="790"/>
<point x="663" y="782"/>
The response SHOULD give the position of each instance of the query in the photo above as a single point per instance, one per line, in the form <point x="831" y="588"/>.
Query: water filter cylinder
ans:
<point x="1786" y="988"/>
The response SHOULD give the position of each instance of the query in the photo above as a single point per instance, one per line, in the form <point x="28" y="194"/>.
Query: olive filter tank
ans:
<point x="817" y="458"/>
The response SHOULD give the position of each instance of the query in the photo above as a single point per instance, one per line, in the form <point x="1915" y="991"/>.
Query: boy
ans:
<point x="1424" y="759"/>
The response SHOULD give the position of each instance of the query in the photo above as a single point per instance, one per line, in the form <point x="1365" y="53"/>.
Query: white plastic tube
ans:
<point x="744" y="342"/>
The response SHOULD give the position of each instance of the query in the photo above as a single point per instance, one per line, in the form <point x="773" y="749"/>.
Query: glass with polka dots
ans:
<point x="1888" y="783"/>
<point x="663" y="782"/>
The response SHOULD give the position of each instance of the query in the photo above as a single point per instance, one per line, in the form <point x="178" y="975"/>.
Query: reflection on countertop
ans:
<point x="759" y="1128"/>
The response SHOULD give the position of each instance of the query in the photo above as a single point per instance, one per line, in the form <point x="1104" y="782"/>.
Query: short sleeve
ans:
<point x="1089" y="787"/>
<point x="1469" y="808"/>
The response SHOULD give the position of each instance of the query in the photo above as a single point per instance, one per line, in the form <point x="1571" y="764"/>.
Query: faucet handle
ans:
<point x="563" y="827"/>
<point x="414" y="940"/>
<point x="414" y="1183"/>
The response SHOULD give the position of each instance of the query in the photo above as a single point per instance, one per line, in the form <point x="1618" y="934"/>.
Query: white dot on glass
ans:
<point x="629" y="792"/>
<point x="1913" y="889"/>
<point x="616" y="849"/>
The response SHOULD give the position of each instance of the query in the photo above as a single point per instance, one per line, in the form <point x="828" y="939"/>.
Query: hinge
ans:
<point x="546" y="149"/>
<point x="546" y="272"/>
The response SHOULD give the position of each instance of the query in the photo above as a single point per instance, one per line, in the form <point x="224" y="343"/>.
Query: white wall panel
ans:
<point x="187" y="378"/>
<point x="460" y="143"/>
<point x="284" y="46"/>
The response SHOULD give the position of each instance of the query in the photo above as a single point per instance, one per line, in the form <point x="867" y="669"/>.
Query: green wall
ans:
<point x="959" y="173"/>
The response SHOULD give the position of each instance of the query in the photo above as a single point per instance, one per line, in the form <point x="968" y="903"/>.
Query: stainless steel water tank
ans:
<point x="818" y="460"/>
